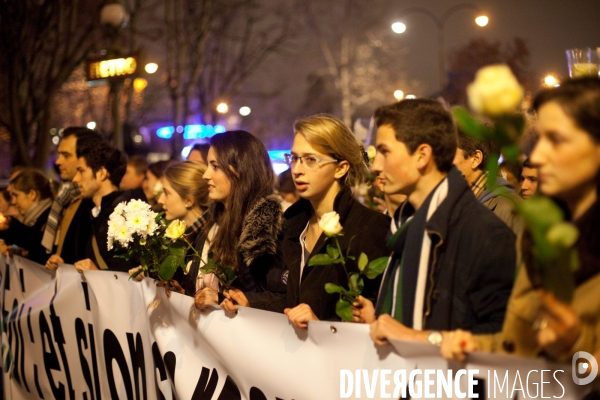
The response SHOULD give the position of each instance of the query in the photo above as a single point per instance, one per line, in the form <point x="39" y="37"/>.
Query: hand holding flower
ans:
<point x="137" y="273"/>
<point x="561" y="327"/>
<point x="363" y="310"/>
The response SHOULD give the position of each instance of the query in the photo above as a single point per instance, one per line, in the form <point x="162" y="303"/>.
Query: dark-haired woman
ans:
<point x="245" y="218"/>
<point x="31" y="194"/>
<point x="568" y="157"/>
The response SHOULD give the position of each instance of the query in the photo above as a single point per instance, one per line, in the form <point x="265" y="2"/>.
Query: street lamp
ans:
<point x="114" y="17"/>
<point x="440" y="22"/>
<point x="222" y="108"/>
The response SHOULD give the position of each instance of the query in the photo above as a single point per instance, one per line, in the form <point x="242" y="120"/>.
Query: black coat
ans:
<point x="78" y="233"/>
<point x="473" y="264"/>
<point x="368" y="228"/>
<point x="28" y="237"/>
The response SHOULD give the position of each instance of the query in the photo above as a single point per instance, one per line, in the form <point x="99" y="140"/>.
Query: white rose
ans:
<point x="157" y="189"/>
<point x="330" y="224"/>
<point x="495" y="91"/>
<point x="371" y="152"/>
<point x="175" y="230"/>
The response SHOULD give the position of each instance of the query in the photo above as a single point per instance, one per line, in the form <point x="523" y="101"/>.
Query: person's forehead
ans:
<point x="68" y="144"/>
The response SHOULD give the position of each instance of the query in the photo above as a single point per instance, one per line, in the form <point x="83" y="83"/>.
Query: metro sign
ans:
<point x="114" y="68"/>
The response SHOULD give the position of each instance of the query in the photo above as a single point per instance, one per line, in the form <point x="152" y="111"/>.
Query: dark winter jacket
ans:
<point x="472" y="263"/>
<point x="28" y="237"/>
<point x="366" y="229"/>
<point x="258" y="249"/>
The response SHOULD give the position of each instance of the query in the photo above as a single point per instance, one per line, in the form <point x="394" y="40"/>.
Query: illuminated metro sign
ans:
<point x="114" y="68"/>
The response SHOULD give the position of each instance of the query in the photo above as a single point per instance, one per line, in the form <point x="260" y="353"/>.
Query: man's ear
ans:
<point x="341" y="169"/>
<point x="476" y="160"/>
<point x="101" y="174"/>
<point x="424" y="156"/>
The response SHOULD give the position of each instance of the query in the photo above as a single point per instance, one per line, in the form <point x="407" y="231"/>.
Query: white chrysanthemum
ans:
<point x="119" y="209"/>
<point x="138" y="223"/>
<point x="137" y="207"/>
<point x="124" y="236"/>
<point x="152" y="227"/>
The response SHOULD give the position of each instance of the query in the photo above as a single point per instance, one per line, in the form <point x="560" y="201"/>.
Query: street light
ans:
<point x="551" y="81"/>
<point x="114" y="16"/>
<point x="222" y="108"/>
<point x="440" y="22"/>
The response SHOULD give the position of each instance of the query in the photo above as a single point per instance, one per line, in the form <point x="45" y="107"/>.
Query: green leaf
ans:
<point x="333" y="288"/>
<point x="376" y="267"/>
<point x="470" y="125"/>
<point x="320" y="259"/>
<point x="362" y="261"/>
<point x="351" y="257"/>
<point x="356" y="284"/>
<point x="168" y="267"/>
<point x="343" y="309"/>
<point x="491" y="166"/>
<point x="333" y="252"/>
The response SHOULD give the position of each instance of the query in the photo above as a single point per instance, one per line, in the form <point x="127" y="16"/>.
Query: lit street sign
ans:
<point x="114" y="68"/>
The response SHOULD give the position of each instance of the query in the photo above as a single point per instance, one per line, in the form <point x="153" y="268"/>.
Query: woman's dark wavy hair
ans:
<point x="245" y="161"/>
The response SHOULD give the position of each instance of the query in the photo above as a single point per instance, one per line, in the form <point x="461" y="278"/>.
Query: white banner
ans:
<point x="99" y="335"/>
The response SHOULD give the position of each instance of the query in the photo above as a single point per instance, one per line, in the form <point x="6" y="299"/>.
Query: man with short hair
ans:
<point x="65" y="235"/>
<point x="470" y="159"/>
<point x="453" y="261"/>
<point x="530" y="177"/>
<point x="134" y="174"/>
<point x="100" y="168"/>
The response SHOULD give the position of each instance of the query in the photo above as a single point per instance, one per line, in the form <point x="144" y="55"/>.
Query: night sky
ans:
<point x="548" y="26"/>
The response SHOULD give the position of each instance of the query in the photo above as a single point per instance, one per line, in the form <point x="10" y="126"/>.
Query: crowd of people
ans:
<point x="455" y="276"/>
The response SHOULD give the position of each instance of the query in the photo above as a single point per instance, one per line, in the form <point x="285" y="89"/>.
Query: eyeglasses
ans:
<point x="307" y="161"/>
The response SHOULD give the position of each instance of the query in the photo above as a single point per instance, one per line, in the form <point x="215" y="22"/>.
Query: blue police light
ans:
<point x="191" y="132"/>
<point x="165" y="133"/>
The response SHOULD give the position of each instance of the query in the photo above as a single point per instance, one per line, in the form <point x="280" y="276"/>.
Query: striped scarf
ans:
<point x="67" y="192"/>
<point x="404" y="286"/>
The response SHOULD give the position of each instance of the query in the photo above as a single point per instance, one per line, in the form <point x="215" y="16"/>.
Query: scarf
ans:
<point x="67" y="192"/>
<point x="405" y="286"/>
<point x="34" y="212"/>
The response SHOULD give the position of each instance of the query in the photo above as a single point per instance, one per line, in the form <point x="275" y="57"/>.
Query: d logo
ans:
<point x="579" y="368"/>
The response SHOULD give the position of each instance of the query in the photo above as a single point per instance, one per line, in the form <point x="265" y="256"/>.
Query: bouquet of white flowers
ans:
<point x="144" y="235"/>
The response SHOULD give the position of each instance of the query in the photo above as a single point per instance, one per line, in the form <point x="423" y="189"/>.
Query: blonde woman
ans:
<point x="185" y="197"/>
<point x="326" y="161"/>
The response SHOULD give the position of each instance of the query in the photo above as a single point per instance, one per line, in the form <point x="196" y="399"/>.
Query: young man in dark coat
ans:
<point x="99" y="171"/>
<point x="453" y="261"/>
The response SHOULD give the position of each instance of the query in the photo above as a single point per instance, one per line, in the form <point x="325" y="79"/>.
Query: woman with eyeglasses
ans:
<point x="567" y="154"/>
<point x="326" y="161"/>
<point x="245" y="219"/>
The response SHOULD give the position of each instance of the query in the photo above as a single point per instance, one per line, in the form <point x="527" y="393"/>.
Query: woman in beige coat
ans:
<point x="568" y="157"/>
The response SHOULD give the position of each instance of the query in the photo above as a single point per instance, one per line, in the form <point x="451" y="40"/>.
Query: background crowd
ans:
<point x="454" y="239"/>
